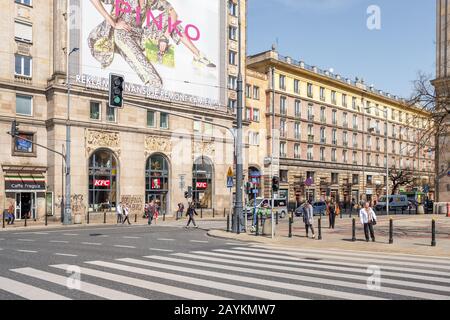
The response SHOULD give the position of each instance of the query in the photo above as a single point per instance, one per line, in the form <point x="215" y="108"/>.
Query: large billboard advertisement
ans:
<point x="168" y="50"/>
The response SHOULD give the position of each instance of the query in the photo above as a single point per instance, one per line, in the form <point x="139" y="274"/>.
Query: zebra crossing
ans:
<point x="237" y="272"/>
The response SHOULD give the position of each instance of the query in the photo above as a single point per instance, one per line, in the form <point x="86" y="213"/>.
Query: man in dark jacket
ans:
<point x="190" y="213"/>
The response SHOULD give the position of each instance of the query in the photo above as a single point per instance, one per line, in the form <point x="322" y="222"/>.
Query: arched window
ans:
<point x="157" y="181"/>
<point x="102" y="180"/>
<point x="202" y="176"/>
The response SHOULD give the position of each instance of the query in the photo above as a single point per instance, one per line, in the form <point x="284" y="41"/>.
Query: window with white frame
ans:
<point x="282" y="83"/>
<point x="298" y="108"/>
<point x="23" y="65"/>
<point x="333" y="155"/>
<point x="232" y="8"/>
<point x="283" y="108"/>
<point x="232" y="83"/>
<point x="256" y="116"/>
<point x="256" y="92"/>
<point x="310" y="153"/>
<point x="297" y="129"/>
<point x="232" y="33"/>
<point x="24" y="105"/>
<point x="24" y="2"/>
<point x="322" y="154"/>
<point x="95" y="110"/>
<point x="297" y="154"/>
<point x="283" y="149"/>
<point x="23" y="31"/>
<point x="297" y="86"/>
<point x="232" y="58"/>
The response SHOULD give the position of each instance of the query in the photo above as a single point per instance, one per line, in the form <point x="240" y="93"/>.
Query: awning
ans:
<point x="24" y="182"/>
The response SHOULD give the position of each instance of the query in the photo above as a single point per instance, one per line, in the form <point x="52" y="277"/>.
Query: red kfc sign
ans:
<point x="102" y="183"/>
<point x="202" y="185"/>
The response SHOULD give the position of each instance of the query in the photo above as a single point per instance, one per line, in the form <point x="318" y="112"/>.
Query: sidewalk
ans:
<point x="412" y="235"/>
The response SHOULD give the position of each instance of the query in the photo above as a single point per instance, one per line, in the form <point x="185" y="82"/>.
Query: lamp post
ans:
<point x="67" y="206"/>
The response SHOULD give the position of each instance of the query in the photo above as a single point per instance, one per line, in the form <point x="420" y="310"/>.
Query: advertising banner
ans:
<point x="171" y="50"/>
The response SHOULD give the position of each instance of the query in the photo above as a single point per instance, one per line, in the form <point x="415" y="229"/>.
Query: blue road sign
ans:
<point x="230" y="182"/>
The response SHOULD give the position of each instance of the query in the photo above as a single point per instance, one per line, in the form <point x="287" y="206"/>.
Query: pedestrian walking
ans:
<point x="368" y="220"/>
<point x="332" y="214"/>
<point x="157" y="206"/>
<point x="119" y="213"/>
<point x="190" y="213"/>
<point x="126" y="211"/>
<point x="308" y="218"/>
<point x="180" y="210"/>
<point x="151" y="211"/>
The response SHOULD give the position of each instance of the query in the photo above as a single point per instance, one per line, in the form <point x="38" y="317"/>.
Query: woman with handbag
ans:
<point x="368" y="220"/>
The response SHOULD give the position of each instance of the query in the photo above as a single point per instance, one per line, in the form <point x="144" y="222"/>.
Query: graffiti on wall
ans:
<point x="134" y="203"/>
<point x="77" y="203"/>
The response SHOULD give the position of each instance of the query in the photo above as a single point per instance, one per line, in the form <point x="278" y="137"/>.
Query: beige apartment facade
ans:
<point x="152" y="149"/>
<point x="334" y="138"/>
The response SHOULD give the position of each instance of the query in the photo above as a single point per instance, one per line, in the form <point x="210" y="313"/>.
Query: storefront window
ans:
<point x="102" y="181"/>
<point x="157" y="181"/>
<point x="202" y="183"/>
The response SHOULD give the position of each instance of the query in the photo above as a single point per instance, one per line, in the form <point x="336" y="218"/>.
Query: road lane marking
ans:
<point x="70" y="234"/>
<point x="40" y="232"/>
<point x="149" y="285"/>
<point x="303" y="289"/>
<point x="162" y="250"/>
<point x="84" y="287"/>
<point x="27" y="251"/>
<point x="28" y="292"/>
<point x="268" y="295"/>
<point x="199" y="241"/>
<point x="162" y="239"/>
<point x="92" y="243"/>
<point x="132" y="237"/>
<point x="129" y="247"/>
<point x="58" y="241"/>
<point x="26" y="240"/>
<point x="65" y="254"/>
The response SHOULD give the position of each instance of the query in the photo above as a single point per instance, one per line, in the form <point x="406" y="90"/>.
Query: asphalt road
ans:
<point x="174" y="263"/>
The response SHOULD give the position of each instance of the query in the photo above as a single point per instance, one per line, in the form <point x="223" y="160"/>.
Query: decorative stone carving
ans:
<point x="204" y="148"/>
<point x="157" y="144"/>
<point x="102" y="139"/>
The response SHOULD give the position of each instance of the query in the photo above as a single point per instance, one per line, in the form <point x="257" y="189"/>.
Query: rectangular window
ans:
<point x="232" y="33"/>
<point x="248" y="91"/>
<point x="111" y="114"/>
<point x="283" y="109"/>
<point x="334" y="117"/>
<point x="344" y="100"/>
<point x="298" y="108"/>
<point x="323" y="138"/>
<point x="355" y="140"/>
<point x="232" y="83"/>
<point x="355" y="157"/>
<point x="333" y="155"/>
<point x="232" y="8"/>
<point x="334" y="137"/>
<point x="282" y="83"/>
<point x="322" y="154"/>
<point x="232" y="58"/>
<point x="334" y="178"/>
<point x="354" y="107"/>
<point x="232" y="104"/>
<point x="23" y="32"/>
<point x="333" y="97"/>
<point x="345" y="120"/>
<point x="355" y="179"/>
<point x="24" y="147"/>
<point x="25" y="2"/>
<point x="297" y="131"/>
<point x="323" y="118"/>
<point x="297" y="86"/>
<point x="283" y="176"/>
<point x="322" y="94"/>
<point x="297" y="151"/>
<point x="310" y="153"/>
<point x="345" y="156"/>
<point x="355" y="122"/>
<point x="310" y="112"/>
<point x="256" y="116"/>
<point x="95" y="110"/>
<point x="310" y="90"/>
<point x="255" y="92"/>
<point x="164" y="121"/>
<point x="197" y="126"/>
<point x="23" y="66"/>
<point x="283" y="150"/>
<point x="151" y="119"/>
<point x="24" y="105"/>
<point x="283" y="129"/>
<point x="310" y="175"/>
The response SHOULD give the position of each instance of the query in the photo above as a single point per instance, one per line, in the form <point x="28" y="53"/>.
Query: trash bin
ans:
<point x="420" y="209"/>
<point x="77" y="219"/>
<point x="267" y="227"/>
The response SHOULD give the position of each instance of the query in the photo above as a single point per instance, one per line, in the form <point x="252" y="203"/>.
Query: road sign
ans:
<point x="230" y="182"/>
<point x="230" y="172"/>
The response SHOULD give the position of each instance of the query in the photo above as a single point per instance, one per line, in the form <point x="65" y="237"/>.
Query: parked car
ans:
<point x="319" y="208"/>
<point x="396" y="202"/>
<point x="280" y="206"/>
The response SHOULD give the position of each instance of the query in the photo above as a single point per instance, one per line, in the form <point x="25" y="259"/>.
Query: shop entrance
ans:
<point x="25" y="205"/>
<point x="160" y="199"/>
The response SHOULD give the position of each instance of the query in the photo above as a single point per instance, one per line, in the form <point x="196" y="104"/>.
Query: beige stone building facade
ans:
<point x="332" y="134"/>
<point x="133" y="155"/>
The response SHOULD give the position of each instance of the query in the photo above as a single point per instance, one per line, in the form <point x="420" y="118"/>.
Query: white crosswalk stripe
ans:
<point x="27" y="291"/>
<point x="257" y="271"/>
<point x="84" y="286"/>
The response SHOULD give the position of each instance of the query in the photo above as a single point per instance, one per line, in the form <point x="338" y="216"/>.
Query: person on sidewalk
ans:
<point x="119" y="213"/>
<point x="126" y="211"/>
<point x="190" y="213"/>
<point x="151" y="212"/>
<point x="368" y="220"/>
<point x="331" y="214"/>
<point x="308" y="218"/>
<point x="156" y="209"/>
<point x="180" y="210"/>
<point x="9" y="215"/>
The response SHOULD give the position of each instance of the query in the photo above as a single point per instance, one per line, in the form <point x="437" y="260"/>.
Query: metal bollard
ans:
<point x="391" y="231"/>
<point x="3" y="218"/>
<point x="290" y="227"/>
<point x="320" y="229"/>
<point x="276" y="218"/>
<point x="135" y="218"/>
<point x="433" y="233"/>
<point x="354" y="230"/>
<point x="46" y="219"/>
<point x="214" y="213"/>
<point x="26" y="216"/>
<point x="88" y="217"/>
<point x="164" y="216"/>
<point x="104" y="216"/>
<point x="257" y="225"/>
<point x="228" y="223"/>
<point x="201" y="213"/>
<point x="224" y="212"/>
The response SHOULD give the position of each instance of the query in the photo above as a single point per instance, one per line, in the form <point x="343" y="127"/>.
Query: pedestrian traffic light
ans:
<point x="275" y="184"/>
<point x="14" y="129"/>
<point x="186" y="195"/>
<point x="116" y="87"/>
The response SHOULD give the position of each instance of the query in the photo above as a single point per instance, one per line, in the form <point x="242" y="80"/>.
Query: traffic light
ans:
<point x="248" y="188"/>
<point x="275" y="184"/>
<point x="188" y="194"/>
<point x="14" y="129"/>
<point x="116" y="87"/>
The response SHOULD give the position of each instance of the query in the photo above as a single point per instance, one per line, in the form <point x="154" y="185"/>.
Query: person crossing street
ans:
<point x="190" y="213"/>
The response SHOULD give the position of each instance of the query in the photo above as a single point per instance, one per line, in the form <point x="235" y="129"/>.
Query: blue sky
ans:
<point x="334" y="34"/>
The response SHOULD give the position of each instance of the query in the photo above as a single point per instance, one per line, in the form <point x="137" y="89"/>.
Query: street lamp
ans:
<point x="68" y="207"/>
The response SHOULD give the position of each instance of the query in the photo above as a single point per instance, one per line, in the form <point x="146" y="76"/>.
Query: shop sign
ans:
<point x="29" y="183"/>
<point x="156" y="184"/>
<point x="102" y="183"/>
<point x="202" y="185"/>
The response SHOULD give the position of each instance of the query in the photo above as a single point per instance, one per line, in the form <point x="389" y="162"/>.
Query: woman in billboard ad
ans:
<point x="132" y="31"/>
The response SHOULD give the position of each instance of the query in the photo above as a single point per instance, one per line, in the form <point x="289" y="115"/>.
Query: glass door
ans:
<point x="18" y="208"/>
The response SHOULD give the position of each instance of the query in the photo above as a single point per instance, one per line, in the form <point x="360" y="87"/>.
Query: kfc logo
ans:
<point x="202" y="185"/>
<point x="102" y="183"/>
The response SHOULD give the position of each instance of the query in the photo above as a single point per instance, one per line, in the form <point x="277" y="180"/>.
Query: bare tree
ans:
<point x="400" y="178"/>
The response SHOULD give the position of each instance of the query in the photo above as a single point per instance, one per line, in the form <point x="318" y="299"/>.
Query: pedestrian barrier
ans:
<point x="104" y="216"/>
<point x="353" y="230"/>
<point x="257" y="226"/>
<point x="433" y="233"/>
<point x="228" y="223"/>
<point x="320" y="229"/>
<point x="391" y="231"/>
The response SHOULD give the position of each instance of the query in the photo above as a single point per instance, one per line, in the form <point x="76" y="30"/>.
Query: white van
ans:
<point x="395" y="202"/>
<point x="280" y="206"/>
